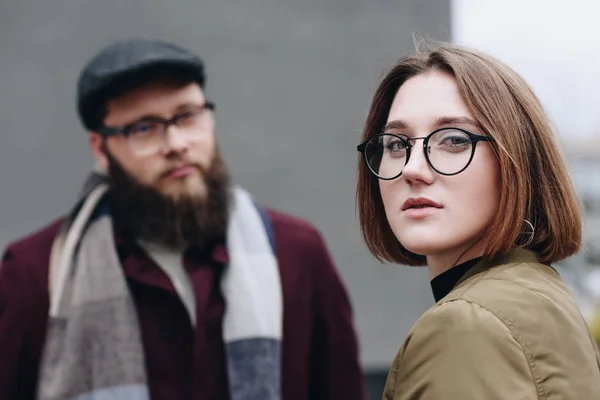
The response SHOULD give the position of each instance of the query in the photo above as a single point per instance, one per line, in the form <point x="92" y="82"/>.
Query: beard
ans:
<point x="143" y="212"/>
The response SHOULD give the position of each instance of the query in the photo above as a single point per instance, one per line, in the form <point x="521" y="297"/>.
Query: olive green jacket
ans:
<point x="510" y="330"/>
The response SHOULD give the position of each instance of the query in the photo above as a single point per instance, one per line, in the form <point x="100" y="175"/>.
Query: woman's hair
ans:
<point x="535" y="184"/>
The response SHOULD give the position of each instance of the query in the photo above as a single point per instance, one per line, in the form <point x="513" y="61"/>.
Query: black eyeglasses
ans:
<point x="148" y="135"/>
<point x="449" y="151"/>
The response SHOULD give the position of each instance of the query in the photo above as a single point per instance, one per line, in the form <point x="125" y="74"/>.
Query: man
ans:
<point x="166" y="281"/>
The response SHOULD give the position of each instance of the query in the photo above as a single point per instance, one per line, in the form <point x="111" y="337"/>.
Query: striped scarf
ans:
<point x="93" y="346"/>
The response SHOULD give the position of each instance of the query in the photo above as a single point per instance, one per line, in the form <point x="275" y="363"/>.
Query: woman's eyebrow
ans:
<point x="442" y="121"/>
<point x="396" y="124"/>
<point x="439" y="122"/>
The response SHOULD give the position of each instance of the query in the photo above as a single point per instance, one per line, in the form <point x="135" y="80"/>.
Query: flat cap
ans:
<point x="124" y="64"/>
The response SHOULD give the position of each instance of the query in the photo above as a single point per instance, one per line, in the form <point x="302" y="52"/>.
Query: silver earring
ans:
<point x="529" y="234"/>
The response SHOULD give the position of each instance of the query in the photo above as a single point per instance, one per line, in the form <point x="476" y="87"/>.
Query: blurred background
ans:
<point x="292" y="81"/>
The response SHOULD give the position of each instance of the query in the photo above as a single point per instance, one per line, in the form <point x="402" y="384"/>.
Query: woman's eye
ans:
<point x="456" y="140"/>
<point x="395" y="145"/>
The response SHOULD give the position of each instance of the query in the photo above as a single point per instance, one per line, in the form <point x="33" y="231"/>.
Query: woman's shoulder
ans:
<point x="502" y="293"/>
<point x="524" y="286"/>
<point x="448" y="350"/>
<point x="514" y="301"/>
<point x="517" y="317"/>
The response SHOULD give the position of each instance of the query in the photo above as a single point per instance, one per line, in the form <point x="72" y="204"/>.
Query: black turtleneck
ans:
<point x="442" y="284"/>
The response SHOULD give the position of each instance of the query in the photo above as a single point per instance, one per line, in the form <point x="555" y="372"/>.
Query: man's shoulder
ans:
<point x="24" y="268"/>
<point x="293" y="229"/>
<point x="36" y="244"/>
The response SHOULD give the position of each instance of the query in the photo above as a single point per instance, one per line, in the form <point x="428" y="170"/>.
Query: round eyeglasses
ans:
<point x="147" y="136"/>
<point x="449" y="151"/>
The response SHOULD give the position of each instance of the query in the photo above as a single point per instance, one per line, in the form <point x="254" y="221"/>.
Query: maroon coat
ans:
<point x="320" y="357"/>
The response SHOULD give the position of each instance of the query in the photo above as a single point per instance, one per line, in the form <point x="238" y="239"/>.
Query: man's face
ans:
<point x="176" y="168"/>
<point x="177" y="194"/>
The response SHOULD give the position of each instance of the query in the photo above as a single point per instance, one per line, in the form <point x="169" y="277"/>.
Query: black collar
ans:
<point x="442" y="284"/>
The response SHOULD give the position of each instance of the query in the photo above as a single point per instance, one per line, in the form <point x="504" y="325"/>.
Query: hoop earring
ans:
<point x="529" y="234"/>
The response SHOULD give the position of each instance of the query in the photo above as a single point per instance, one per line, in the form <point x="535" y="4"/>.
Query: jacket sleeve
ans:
<point x="335" y="367"/>
<point x="460" y="350"/>
<point x="22" y="328"/>
<point x="11" y="329"/>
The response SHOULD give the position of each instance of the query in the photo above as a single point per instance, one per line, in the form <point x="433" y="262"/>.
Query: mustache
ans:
<point x="142" y="211"/>
<point x="172" y="167"/>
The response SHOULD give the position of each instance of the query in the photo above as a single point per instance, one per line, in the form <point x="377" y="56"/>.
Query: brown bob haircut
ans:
<point x="535" y="184"/>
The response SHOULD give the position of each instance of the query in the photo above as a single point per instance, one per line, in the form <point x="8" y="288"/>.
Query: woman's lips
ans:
<point x="420" y="212"/>
<point x="420" y="207"/>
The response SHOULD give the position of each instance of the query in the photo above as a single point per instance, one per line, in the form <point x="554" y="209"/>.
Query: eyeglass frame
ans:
<point x="474" y="137"/>
<point x="109" y="131"/>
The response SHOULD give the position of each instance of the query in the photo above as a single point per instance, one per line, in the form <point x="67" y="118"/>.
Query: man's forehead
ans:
<point x="161" y="97"/>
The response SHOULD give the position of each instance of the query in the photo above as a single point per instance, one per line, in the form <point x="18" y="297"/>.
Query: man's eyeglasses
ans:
<point x="147" y="135"/>
<point x="449" y="151"/>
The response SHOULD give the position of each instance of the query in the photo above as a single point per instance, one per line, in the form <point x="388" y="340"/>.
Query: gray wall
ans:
<point x="292" y="81"/>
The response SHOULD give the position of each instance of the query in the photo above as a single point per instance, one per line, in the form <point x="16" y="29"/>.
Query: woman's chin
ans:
<point x="422" y="247"/>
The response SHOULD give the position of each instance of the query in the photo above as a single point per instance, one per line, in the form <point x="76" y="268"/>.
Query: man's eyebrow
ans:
<point x="189" y="106"/>
<point x="146" y="117"/>
<point x="156" y="117"/>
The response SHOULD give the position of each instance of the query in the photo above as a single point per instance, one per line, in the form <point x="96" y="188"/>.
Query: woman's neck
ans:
<point x="440" y="263"/>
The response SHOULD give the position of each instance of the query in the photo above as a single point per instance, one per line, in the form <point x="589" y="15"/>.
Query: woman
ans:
<point x="460" y="171"/>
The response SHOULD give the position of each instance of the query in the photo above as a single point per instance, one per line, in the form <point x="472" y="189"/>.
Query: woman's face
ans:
<point x="438" y="216"/>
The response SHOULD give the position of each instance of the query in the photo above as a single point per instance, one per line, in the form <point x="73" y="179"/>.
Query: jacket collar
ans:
<point x="513" y="256"/>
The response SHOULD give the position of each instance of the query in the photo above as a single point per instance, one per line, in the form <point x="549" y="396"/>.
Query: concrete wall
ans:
<point x="292" y="82"/>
